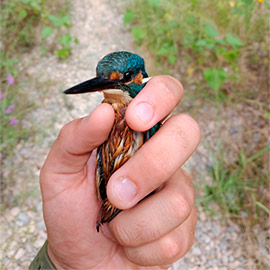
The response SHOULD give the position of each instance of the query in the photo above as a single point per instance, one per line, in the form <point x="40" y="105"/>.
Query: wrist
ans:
<point x="42" y="260"/>
<point x="58" y="265"/>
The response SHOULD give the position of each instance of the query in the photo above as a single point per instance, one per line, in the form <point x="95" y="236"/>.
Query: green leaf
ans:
<point x="233" y="41"/>
<point x="154" y="3"/>
<point x="262" y="206"/>
<point x="215" y="77"/>
<point x="259" y="153"/>
<point x="65" y="40"/>
<point x="201" y="43"/>
<point x="66" y="20"/>
<point x="220" y="41"/>
<point x="128" y="17"/>
<point x="22" y="14"/>
<point x="56" y="21"/>
<point x="172" y="59"/>
<point x="63" y="53"/>
<point x="76" y="40"/>
<point x="138" y="33"/>
<point x="35" y="5"/>
<point x="211" y="31"/>
<point x="11" y="61"/>
<point x="46" y="32"/>
<point x="231" y="55"/>
<point x="169" y="51"/>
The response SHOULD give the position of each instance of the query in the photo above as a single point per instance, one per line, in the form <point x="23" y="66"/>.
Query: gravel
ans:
<point x="99" y="28"/>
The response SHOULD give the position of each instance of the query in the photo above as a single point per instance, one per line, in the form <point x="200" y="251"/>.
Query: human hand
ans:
<point x="157" y="231"/>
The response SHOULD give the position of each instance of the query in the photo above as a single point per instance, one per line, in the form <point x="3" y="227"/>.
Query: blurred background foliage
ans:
<point x="220" y="52"/>
<point x="26" y="25"/>
<point x="215" y="39"/>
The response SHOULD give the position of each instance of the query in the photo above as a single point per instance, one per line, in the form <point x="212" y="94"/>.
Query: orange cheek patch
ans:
<point x="115" y="75"/>
<point x="138" y="79"/>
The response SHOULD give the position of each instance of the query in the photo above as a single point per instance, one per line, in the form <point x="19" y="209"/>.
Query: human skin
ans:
<point x="151" y="234"/>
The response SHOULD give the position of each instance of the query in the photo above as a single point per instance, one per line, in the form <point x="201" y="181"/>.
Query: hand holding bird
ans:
<point x="154" y="232"/>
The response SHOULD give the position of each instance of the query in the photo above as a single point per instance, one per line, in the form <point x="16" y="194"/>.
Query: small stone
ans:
<point x="224" y="259"/>
<point x="23" y="218"/>
<point x="213" y="262"/>
<point x="230" y="229"/>
<point x="41" y="225"/>
<point x="234" y="264"/>
<point x="19" y="254"/>
<point x="31" y="214"/>
<point x="223" y="245"/>
<point x="39" y="207"/>
<point x="39" y="243"/>
<point x="237" y="253"/>
<point x="29" y="247"/>
<point x="211" y="125"/>
<point x="6" y="260"/>
<point x="233" y="236"/>
<point x="15" y="211"/>
<point x="231" y="258"/>
<point x="31" y="229"/>
<point x="10" y="253"/>
<point x="23" y="239"/>
<point x="196" y="251"/>
<point x="206" y="239"/>
<point x="202" y="216"/>
<point x="216" y="230"/>
<point x="242" y="259"/>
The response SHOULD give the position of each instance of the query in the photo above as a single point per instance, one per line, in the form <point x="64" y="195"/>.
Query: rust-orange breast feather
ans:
<point x="122" y="143"/>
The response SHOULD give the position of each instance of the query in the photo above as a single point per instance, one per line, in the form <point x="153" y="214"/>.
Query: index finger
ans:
<point x="156" y="100"/>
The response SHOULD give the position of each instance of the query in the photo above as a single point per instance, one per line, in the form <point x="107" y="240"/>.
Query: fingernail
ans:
<point x="124" y="189"/>
<point x="145" y="111"/>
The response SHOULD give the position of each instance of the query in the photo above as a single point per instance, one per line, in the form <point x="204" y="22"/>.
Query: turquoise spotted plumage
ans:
<point x="121" y="76"/>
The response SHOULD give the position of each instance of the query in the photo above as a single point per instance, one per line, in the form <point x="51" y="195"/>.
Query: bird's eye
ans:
<point x="127" y="76"/>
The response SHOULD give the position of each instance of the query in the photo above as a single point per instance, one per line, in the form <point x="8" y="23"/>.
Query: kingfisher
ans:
<point x="120" y="76"/>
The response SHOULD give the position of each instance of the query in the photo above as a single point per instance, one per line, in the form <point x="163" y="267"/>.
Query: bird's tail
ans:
<point x="107" y="213"/>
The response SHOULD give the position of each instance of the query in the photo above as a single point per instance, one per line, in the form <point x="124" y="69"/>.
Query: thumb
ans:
<point x="77" y="140"/>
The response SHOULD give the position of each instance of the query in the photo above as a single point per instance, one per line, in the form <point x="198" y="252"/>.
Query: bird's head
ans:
<point x="117" y="70"/>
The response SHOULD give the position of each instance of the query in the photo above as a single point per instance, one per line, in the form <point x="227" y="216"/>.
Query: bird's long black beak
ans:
<point x="96" y="84"/>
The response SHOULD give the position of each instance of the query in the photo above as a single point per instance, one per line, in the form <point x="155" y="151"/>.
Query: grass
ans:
<point x="237" y="187"/>
<point x="25" y="24"/>
<point x="211" y="40"/>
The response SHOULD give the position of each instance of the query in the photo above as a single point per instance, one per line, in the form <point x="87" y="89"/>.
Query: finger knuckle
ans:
<point x="191" y="123"/>
<point x="145" y="230"/>
<point x="171" y="86"/>
<point x="181" y="205"/>
<point x="65" y="131"/>
<point x="178" y="134"/>
<point x="123" y="234"/>
<point x="169" y="249"/>
<point x="162" y="170"/>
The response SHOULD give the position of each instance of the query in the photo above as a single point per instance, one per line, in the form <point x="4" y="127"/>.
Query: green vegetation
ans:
<point x="21" y="22"/>
<point x="206" y="36"/>
<point x="25" y="24"/>
<point x="59" y="26"/>
<point x="234" y="186"/>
